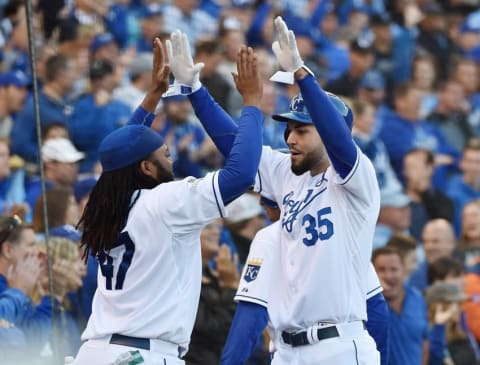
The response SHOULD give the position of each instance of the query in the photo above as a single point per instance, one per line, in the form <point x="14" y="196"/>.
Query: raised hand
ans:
<point x="160" y="71"/>
<point x="181" y="61"/>
<point x="285" y="49"/>
<point x="443" y="315"/>
<point x="247" y="79"/>
<point x="227" y="268"/>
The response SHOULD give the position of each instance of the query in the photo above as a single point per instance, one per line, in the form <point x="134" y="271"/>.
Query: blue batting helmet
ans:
<point x="298" y="111"/>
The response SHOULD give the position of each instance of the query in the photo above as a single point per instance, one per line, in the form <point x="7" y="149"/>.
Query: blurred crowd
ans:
<point x="410" y="71"/>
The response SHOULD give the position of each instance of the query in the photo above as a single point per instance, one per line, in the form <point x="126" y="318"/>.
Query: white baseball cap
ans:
<point x="245" y="207"/>
<point x="61" y="150"/>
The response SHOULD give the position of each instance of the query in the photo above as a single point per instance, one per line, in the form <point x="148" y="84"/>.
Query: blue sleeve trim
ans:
<point x="260" y="182"/>
<point x="257" y="299"/>
<point x="215" y="194"/>
<point x="141" y="116"/>
<point x="352" y="172"/>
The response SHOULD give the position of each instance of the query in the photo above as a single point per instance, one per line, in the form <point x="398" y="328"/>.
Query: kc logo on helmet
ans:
<point x="297" y="104"/>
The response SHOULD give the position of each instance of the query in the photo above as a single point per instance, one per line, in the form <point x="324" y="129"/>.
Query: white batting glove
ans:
<point x="187" y="74"/>
<point x="285" y="49"/>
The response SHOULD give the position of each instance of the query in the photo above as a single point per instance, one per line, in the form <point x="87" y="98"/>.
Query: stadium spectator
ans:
<point x="403" y="130"/>
<point x="469" y="242"/>
<point x="60" y="167"/>
<point x="186" y="16"/>
<point x="409" y="332"/>
<point x="438" y="240"/>
<point x="13" y="91"/>
<point x="425" y="79"/>
<point x="394" y="216"/>
<point x="466" y="186"/>
<point x="151" y="26"/>
<point x="450" y="114"/>
<point x="62" y="210"/>
<point x="188" y="144"/>
<point x="426" y="202"/>
<point x="59" y="79"/>
<point x="210" y="53"/>
<point x="96" y="114"/>
<point x="216" y="307"/>
<point x="139" y="73"/>
<point x="362" y="59"/>
<point x="407" y="246"/>
<point x="371" y="145"/>
<point x="244" y="219"/>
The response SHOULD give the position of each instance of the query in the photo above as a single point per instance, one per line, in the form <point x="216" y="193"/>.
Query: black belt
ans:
<point x="139" y="343"/>
<point x="301" y="339"/>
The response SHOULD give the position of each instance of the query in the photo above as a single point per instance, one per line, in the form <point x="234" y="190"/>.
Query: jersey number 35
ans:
<point x="317" y="228"/>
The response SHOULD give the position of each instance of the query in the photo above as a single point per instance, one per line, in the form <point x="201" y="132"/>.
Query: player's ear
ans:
<point x="147" y="168"/>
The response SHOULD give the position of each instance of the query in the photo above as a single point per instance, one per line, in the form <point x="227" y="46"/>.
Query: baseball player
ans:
<point x="330" y="201"/>
<point x="253" y="292"/>
<point x="144" y="228"/>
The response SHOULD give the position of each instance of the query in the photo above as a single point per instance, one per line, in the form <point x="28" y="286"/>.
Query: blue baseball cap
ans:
<point x="66" y="231"/>
<point x="373" y="80"/>
<point x="298" y="111"/>
<point x="101" y="40"/>
<point x="151" y="10"/>
<point x="128" y="145"/>
<point x="16" y="78"/>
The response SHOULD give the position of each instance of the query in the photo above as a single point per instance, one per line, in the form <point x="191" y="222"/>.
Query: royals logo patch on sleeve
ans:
<point x="253" y="267"/>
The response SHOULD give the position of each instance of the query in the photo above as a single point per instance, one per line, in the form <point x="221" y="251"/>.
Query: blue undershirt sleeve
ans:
<point x="219" y="125"/>
<point x="141" y="116"/>
<point x="378" y="323"/>
<point x="247" y="326"/>
<point x="241" y="166"/>
<point x="330" y="125"/>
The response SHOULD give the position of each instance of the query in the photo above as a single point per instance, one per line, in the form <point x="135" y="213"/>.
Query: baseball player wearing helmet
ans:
<point x="144" y="228"/>
<point x="330" y="202"/>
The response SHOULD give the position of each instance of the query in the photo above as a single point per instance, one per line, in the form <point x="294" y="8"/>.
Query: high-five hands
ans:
<point x="247" y="79"/>
<point x="187" y="74"/>
<point x="286" y="53"/>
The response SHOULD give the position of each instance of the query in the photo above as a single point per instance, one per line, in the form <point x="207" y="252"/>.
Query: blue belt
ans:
<point x="139" y="343"/>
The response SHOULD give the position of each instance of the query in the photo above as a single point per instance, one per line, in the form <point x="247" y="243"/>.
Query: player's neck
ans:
<point x="319" y="168"/>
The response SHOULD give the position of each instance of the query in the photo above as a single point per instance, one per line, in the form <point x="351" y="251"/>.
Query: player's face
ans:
<point x="391" y="272"/>
<point x="307" y="152"/>
<point x="163" y="164"/>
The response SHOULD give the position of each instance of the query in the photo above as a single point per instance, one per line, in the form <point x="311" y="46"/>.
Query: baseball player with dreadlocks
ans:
<point x="144" y="228"/>
<point x="329" y="201"/>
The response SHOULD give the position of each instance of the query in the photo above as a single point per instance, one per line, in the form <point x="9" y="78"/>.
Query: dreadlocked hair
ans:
<point x="107" y="209"/>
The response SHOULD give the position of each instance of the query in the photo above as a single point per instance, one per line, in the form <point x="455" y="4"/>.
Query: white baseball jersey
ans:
<point x="327" y="227"/>
<point x="149" y="285"/>
<point x="256" y="278"/>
